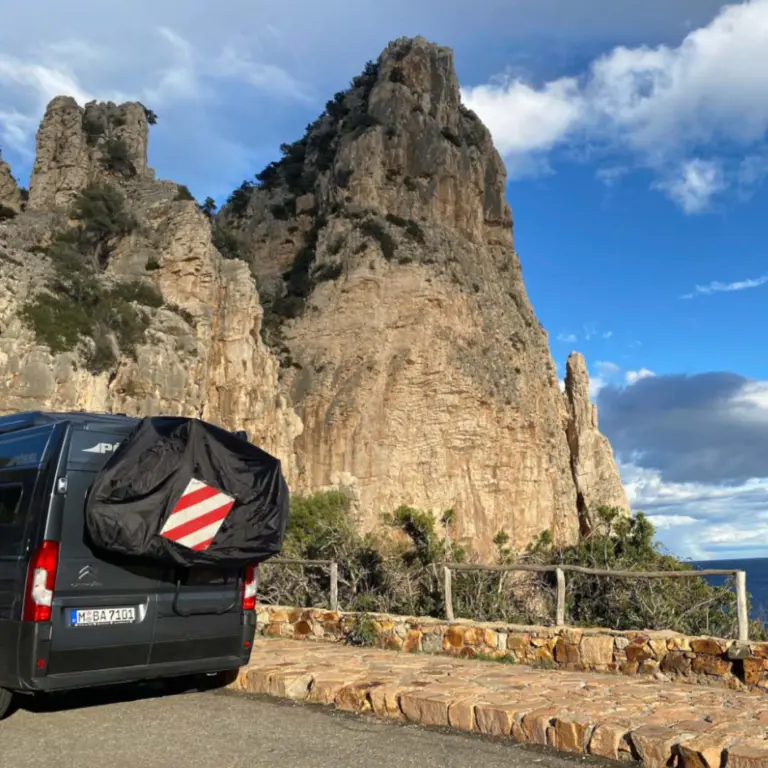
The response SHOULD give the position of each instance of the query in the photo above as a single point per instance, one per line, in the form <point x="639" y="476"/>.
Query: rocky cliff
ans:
<point x="359" y="308"/>
<point x="382" y="244"/>
<point x="10" y="194"/>
<point x="147" y="317"/>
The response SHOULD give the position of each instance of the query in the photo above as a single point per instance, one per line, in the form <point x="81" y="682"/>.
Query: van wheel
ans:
<point x="6" y="697"/>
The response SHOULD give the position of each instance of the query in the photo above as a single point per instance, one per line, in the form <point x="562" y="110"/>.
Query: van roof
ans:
<point x="28" y="419"/>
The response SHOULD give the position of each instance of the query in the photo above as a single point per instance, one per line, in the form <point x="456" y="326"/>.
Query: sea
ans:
<point x="757" y="581"/>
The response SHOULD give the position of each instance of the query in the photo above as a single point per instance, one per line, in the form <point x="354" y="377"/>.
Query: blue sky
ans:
<point x="635" y="139"/>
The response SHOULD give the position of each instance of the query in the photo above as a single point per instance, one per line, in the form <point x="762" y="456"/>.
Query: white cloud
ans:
<point x="45" y="81"/>
<point x="605" y="373"/>
<point x="632" y="377"/>
<point x="718" y="287"/>
<point x="266" y="77"/>
<point x="660" y="105"/>
<point x="525" y="120"/>
<point x="567" y="337"/>
<point x="663" y="522"/>
<point x="694" y="184"/>
<point x="703" y="522"/>
<point x="611" y="175"/>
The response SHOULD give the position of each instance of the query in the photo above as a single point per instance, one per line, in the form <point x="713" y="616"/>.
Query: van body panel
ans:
<point x="182" y="621"/>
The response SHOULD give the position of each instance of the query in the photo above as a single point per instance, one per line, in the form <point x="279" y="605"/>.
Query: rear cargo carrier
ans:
<point x="184" y="492"/>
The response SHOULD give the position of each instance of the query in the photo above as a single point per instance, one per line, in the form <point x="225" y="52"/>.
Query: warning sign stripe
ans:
<point x="198" y="515"/>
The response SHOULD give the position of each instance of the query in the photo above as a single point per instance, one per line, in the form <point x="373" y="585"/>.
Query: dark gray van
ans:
<point x="70" y="618"/>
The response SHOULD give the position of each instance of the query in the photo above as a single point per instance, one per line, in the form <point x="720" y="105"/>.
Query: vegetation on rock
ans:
<point x="79" y="305"/>
<point x="6" y="212"/>
<point x="117" y="157"/>
<point x="225" y="241"/>
<point x="401" y="572"/>
<point x="183" y="193"/>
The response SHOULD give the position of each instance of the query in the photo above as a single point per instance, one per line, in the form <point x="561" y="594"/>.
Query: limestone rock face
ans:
<point x="75" y="146"/>
<point x="10" y="194"/>
<point x="202" y="354"/>
<point x="382" y="243"/>
<point x="594" y="470"/>
<point x="390" y="347"/>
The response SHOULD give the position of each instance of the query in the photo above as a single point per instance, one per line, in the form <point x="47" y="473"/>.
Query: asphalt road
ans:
<point x="219" y="729"/>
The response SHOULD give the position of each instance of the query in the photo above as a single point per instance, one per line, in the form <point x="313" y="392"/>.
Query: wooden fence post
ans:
<point x="334" y="586"/>
<point x="560" y="616"/>
<point x="448" y="593"/>
<point x="741" y="605"/>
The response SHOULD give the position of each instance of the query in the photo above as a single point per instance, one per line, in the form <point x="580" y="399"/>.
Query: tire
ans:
<point x="6" y="699"/>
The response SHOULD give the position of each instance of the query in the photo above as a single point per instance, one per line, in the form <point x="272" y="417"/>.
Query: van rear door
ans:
<point x="199" y="616"/>
<point x="105" y="607"/>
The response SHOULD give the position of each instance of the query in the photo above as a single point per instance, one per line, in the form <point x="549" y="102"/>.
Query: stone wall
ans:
<point x="665" y="656"/>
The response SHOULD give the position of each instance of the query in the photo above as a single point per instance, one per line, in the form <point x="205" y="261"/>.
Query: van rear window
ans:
<point x="24" y="450"/>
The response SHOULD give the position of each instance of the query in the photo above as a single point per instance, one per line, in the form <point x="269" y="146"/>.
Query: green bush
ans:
<point x="208" y="207"/>
<point x="237" y="202"/>
<point x="378" y="232"/>
<point x="6" y="213"/>
<point x="78" y="304"/>
<point x="183" y="193"/>
<point x="100" y="211"/>
<point x="225" y="241"/>
<point x="401" y="572"/>
<point x="117" y="157"/>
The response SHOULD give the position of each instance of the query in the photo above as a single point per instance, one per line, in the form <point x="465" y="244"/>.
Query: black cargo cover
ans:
<point x="184" y="492"/>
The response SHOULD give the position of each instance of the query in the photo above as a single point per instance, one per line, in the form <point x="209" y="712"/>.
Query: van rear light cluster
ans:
<point x="250" y="583"/>
<point x="41" y="580"/>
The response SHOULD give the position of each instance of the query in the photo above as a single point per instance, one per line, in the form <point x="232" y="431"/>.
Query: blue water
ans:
<point x="757" y="581"/>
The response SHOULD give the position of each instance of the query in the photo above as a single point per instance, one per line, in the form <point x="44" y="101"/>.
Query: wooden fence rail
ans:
<point x="559" y="571"/>
<point x="332" y="566"/>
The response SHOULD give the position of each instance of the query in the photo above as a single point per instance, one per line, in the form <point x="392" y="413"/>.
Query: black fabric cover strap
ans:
<point x="135" y="493"/>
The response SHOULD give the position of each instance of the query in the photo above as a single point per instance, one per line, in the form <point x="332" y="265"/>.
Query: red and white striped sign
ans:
<point x="197" y="516"/>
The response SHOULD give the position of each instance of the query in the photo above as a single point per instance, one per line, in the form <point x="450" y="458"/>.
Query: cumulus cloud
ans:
<point x="661" y="105"/>
<point x="694" y="184"/>
<point x="718" y="287"/>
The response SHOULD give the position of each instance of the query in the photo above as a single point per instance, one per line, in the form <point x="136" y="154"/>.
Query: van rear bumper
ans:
<point x="94" y="679"/>
<point x="36" y="644"/>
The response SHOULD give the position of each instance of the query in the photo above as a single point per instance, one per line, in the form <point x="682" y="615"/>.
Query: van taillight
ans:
<point x="249" y="587"/>
<point x="41" y="579"/>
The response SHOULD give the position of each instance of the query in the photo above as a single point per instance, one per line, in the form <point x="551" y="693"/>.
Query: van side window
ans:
<point x="10" y="504"/>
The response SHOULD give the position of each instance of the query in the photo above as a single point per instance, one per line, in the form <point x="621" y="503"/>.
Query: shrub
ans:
<point x="238" y="201"/>
<point x="150" y="115"/>
<point x="402" y="573"/>
<point x="77" y="304"/>
<point x="183" y="193"/>
<point x="397" y="75"/>
<point x="93" y="127"/>
<point x="414" y="230"/>
<point x="117" y="157"/>
<point x="100" y="211"/>
<point x="386" y="242"/>
<point x="152" y="265"/>
<point x="208" y="207"/>
<point x="225" y="241"/>
<point x="285" y="210"/>
<point x="398" y="221"/>
<point x="6" y="213"/>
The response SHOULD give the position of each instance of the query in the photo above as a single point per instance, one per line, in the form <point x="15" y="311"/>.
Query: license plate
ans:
<point x="95" y="617"/>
